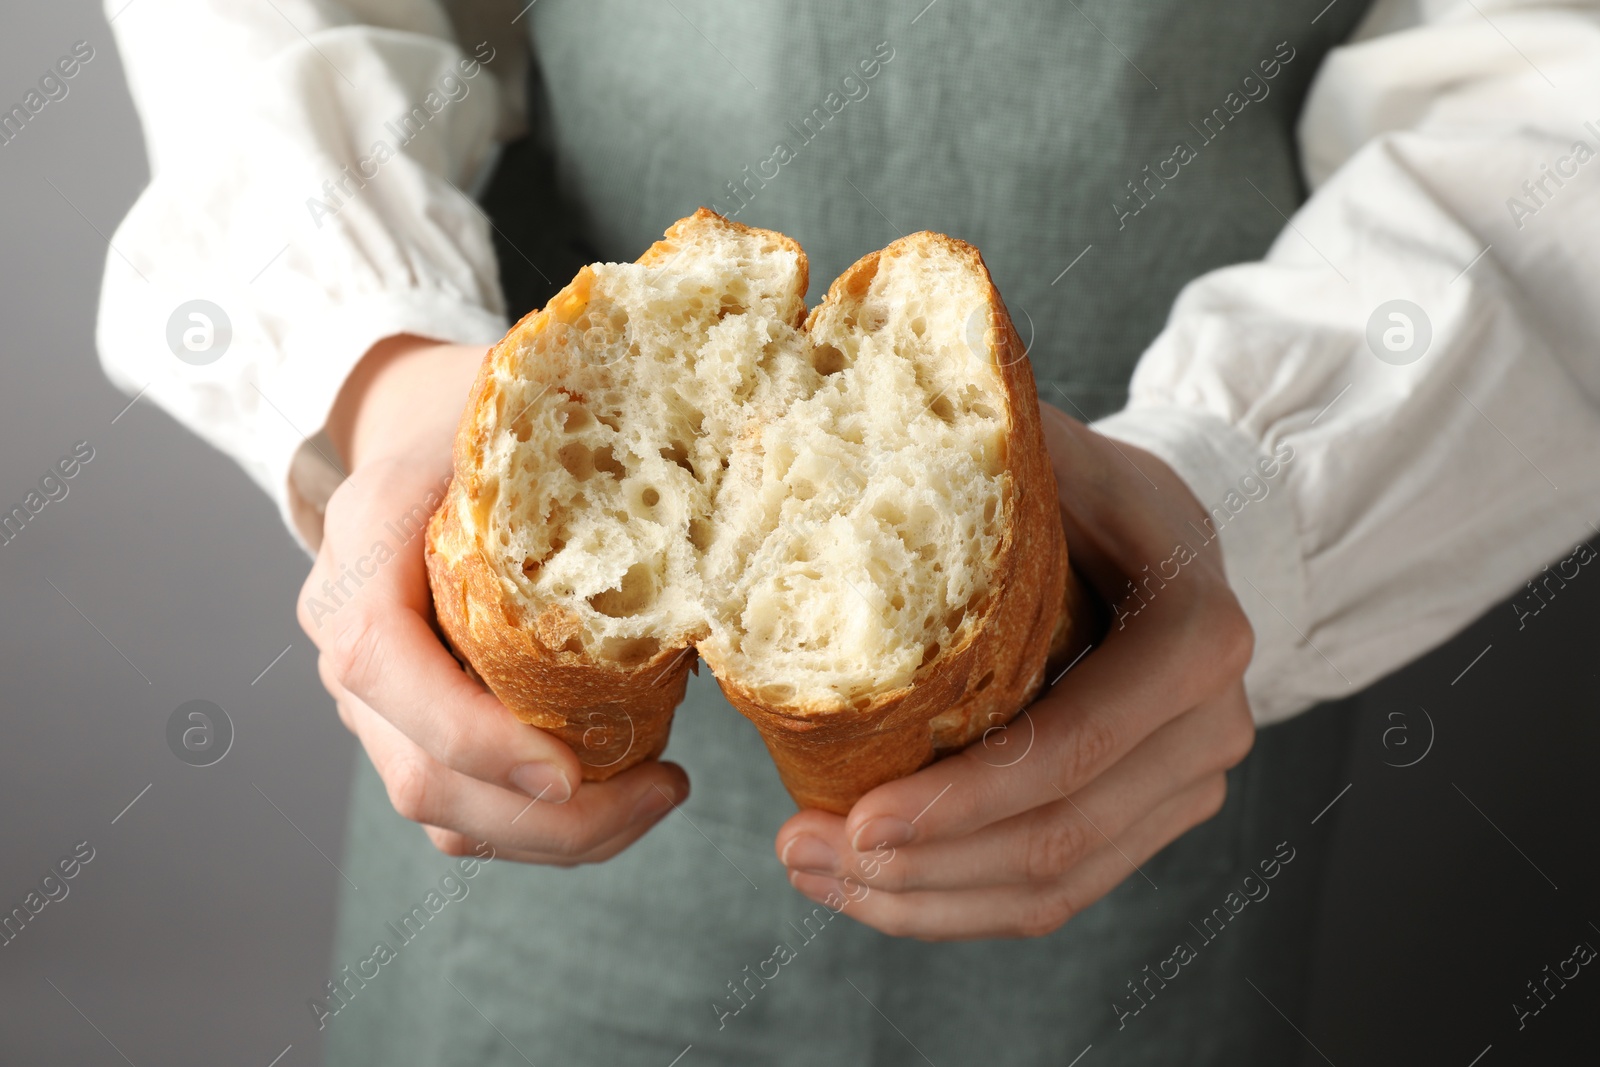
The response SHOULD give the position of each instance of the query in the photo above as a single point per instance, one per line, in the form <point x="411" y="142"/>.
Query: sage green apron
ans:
<point x="1048" y="135"/>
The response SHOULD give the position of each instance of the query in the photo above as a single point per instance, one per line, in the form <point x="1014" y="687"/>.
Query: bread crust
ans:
<point x="616" y="717"/>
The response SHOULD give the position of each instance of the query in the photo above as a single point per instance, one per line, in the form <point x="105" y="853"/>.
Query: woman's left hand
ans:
<point x="1124" y="753"/>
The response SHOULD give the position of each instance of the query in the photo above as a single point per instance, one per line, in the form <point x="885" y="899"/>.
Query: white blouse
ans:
<point x="1416" y="361"/>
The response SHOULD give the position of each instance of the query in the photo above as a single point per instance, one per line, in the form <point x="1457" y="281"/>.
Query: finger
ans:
<point x="342" y="707"/>
<point x="391" y="659"/>
<point x="1108" y="867"/>
<point x="1016" y="911"/>
<point x="601" y="816"/>
<point x="1044" y="844"/>
<point x="1114" y="699"/>
<point x="380" y="646"/>
<point x="454" y="843"/>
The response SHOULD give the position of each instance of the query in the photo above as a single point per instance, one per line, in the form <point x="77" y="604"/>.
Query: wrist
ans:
<point x="1246" y="490"/>
<point x="406" y="392"/>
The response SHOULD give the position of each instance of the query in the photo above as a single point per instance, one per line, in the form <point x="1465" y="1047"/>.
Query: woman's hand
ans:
<point x="452" y="756"/>
<point x="1124" y="753"/>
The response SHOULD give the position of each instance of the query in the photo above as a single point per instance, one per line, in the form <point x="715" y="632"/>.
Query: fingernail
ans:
<point x="542" y="781"/>
<point x="655" y="803"/>
<point x="885" y="831"/>
<point x="809" y="853"/>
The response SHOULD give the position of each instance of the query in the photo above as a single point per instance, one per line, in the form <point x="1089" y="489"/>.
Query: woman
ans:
<point x="1323" y="425"/>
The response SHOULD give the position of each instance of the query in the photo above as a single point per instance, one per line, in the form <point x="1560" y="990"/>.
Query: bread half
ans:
<point x="850" y="516"/>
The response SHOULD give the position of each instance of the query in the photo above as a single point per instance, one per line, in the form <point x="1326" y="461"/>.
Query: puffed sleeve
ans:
<point x="1394" y="418"/>
<point x="309" y="166"/>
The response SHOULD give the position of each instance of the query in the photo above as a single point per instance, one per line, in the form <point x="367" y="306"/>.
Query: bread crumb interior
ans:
<point x="671" y="461"/>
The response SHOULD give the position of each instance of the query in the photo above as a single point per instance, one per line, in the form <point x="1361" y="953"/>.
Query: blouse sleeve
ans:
<point x="1394" y="418"/>
<point x="310" y="166"/>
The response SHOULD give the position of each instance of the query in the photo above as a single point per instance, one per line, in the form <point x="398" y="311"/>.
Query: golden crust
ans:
<point x="1036" y="613"/>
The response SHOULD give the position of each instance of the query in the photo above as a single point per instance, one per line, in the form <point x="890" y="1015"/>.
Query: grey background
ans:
<point x="203" y="922"/>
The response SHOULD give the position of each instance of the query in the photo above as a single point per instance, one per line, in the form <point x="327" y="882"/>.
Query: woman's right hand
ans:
<point x="452" y="757"/>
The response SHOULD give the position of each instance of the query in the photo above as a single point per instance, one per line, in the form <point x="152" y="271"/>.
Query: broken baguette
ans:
<point x="849" y="515"/>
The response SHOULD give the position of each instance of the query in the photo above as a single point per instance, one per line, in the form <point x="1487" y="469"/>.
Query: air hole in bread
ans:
<point x="776" y="694"/>
<point x="827" y="359"/>
<point x="630" y="651"/>
<point x="889" y="511"/>
<point x="983" y="683"/>
<point x="578" y="460"/>
<point x="635" y="593"/>
<point x="606" y="461"/>
<point x="574" y="417"/>
<point x="677" y="452"/>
